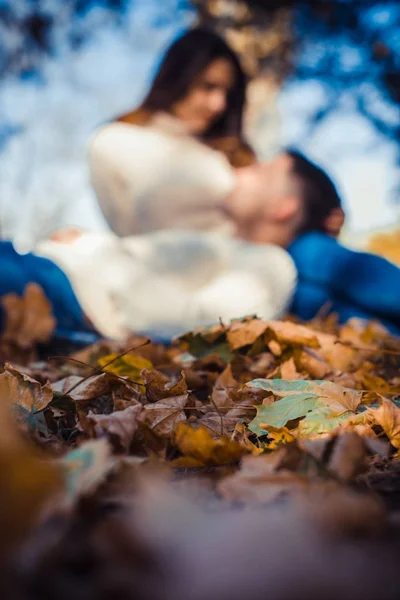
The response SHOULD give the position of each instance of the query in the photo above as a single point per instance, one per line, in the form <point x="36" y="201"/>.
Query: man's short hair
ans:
<point x="318" y="192"/>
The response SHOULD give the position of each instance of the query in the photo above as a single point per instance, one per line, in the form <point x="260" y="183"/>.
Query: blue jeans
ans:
<point x="17" y="270"/>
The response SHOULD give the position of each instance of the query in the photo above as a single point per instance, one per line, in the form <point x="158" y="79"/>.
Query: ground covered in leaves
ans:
<point x="247" y="457"/>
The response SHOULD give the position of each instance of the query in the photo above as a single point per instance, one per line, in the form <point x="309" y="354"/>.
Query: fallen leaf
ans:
<point x="224" y="387"/>
<point x="241" y="435"/>
<point x="28" y="480"/>
<point x="201" y="449"/>
<point x="86" y="389"/>
<point x="129" y="365"/>
<point x="388" y="417"/>
<point x="259" y="482"/>
<point x="242" y="334"/>
<point x="287" y="370"/>
<point x="163" y="417"/>
<point x="321" y="421"/>
<point x="309" y="362"/>
<point x="295" y="399"/>
<point x="159" y="387"/>
<point x="29" y="319"/>
<point x="279" y="413"/>
<point x="218" y="424"/>
<point x="86" y="467"/>
<point x="119" y="427"/>
<point x="27" y="396"/>
<point x="278" y="436"/>
<point x="288" y="333"/>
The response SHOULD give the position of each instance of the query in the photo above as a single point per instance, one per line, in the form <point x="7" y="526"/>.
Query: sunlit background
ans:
<point x="69" y="66"/>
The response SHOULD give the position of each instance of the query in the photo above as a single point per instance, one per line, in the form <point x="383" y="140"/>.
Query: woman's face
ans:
<point x="207" y="98"/>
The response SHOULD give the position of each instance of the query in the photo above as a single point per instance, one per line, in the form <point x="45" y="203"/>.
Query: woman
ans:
<point x="172" y="162"/>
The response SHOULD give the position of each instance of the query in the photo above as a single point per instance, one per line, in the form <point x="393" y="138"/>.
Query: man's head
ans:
<point x="297" y="196"/>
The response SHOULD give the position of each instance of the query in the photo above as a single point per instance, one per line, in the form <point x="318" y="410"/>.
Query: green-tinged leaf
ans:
<point x="86" y="467"/>
<point x="199" y="347"/>
<point x="338" y="398"/>
<point x="281" y="412"/>
<point x="295" y="399"/>
<point x="321" y="421"/>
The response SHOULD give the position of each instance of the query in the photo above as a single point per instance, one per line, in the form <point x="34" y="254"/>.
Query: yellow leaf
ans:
<point x="279" y="436"/>
<point x="388" y="417"/>
<point x="129" y="365"/>
<point x="198" y="444"/>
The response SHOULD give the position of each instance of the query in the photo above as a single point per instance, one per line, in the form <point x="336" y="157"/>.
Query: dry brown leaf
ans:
<point x="242" y="334"/>
<point x="28" y="398"/>
<point x="29" y="319"/>
<point x="159" y="387"/>
<point x="241" y="435"/>
<point x="119" y="427"/>
<point x="27" y="479"/>
<point x="312" y="364"/>
<point x="86" y="389"/>
<point x="259" y="481"/>
<point x="388" y="417"/>
<point x="224" y="388"/>
<point x="219" y="424"/>
<point x="288" y="333"/>
<point x="339" y="356"/>
<point x="286" y="370"/>
<point x="163" y="417"/>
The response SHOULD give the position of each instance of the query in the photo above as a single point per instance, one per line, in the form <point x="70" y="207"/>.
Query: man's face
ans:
<point x="277" y="175"/>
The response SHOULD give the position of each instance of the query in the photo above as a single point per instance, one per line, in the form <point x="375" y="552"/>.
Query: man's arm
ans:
<point x="368" y="281"/>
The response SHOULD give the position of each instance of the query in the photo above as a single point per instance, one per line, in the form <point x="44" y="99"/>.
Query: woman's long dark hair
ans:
<point x="186" y="58"/>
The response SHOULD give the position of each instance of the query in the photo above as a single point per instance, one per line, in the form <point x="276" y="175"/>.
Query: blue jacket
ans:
<point x="355" y="284"/>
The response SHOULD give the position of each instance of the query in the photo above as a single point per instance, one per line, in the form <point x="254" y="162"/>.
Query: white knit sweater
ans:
<point x="159" y="176"/>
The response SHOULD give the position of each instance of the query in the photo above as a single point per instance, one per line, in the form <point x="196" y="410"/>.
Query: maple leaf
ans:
<point x="296" y="399"/>
<point x="200" y="449"/>
<point x="321" y="420"/>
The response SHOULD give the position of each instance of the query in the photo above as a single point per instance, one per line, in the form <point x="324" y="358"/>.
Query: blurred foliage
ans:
<point x="350" y="47"/>
<point x="387" y="245"/>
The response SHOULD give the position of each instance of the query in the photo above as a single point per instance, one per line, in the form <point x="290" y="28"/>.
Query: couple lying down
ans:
<point x="281" y="254"/>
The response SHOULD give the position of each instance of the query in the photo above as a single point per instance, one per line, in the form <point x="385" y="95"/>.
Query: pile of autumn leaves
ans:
<point x="281" y="404"/>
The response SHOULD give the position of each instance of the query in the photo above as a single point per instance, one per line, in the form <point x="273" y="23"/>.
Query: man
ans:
<point x="302" y="212"/>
